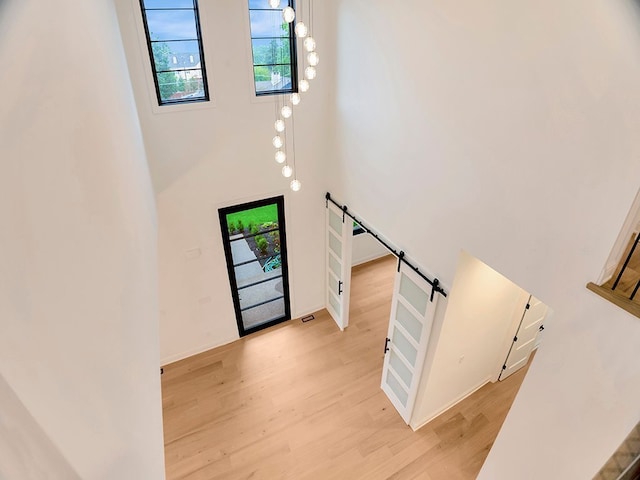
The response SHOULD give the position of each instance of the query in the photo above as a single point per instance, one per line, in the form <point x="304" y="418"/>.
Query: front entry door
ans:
<point x="338" y="277"/>
<point x="412" y="312"/>
<point x="256" y="252"/>
<point x="525" y="340"/>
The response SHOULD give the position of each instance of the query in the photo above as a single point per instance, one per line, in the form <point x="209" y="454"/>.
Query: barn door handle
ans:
<point x="339" y="288"/>
<point x="386" y="345"/>
<point x="541" y="328"/>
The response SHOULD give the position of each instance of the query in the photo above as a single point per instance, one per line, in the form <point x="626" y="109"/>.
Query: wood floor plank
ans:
<point x="302" y="401"/>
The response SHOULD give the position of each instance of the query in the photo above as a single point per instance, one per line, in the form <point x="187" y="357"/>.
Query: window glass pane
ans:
<point x="181" y="85"/>
<point x="268" y="51"/>
<point x="268" y="24"/>
<point x="273" y="79"/>
<point x="171" y="28"/>
<point x="172" y="24"/>
<point x="272" y="48"/>
<point x="169" y="3"/>
<point x="176" y="55"/>
<point x="264" y="4"/>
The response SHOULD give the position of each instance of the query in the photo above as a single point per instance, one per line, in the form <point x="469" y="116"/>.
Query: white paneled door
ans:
<point x="525" y="340"/>
<point x="339" y="237"/>
<point x="412" y="313"/>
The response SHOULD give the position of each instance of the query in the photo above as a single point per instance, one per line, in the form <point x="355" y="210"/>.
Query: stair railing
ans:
<point x="624" y="267"/>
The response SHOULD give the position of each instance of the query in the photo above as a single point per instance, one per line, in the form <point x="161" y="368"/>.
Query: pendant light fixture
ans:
<point x="285" y="103"/>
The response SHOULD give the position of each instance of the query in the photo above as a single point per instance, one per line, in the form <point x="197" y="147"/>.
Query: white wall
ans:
<point x="78" y="314"/>
<point x="508" y="129"/>
<point x="366" y="248"/>
<point x="218" y="155"/>
<point x="483" y="313"/>
<point x="25" y="450"/>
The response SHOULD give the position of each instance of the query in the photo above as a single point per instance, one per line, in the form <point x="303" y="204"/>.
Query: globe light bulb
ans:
<point x="313" y="58"/>
<point x="288" y="14"/>
<point x="301" y="30"/>
<point x="274" y="3"/>
<point x="303" y="85"/>
<point x="309" y="44"/>
<point x="295" y="185"/>
<point x="310" y="73"/>
<point x="277" y="141"/>
<point x="280" y="156"/>
<point x="279" y="125"/>
<point x="295" y="98"/>
<point x="287" y="171"/>
<point x="286" y="111"/>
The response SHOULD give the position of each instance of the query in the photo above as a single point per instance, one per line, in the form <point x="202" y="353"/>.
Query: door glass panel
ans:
<point x="335" y="245"/>
<point x="260" y="293"/>
<point x="414" y="294"/>
<point x="334" y="303"/>
<point x="404" y="346"/>
<point x="410" y="323"/>
<point x="335" y="221"/>
<point x="253" y="235"/>
<point x="333" y="285"/>
<point x="334" y="265"/>
<point x="401" y="369"/>
<point x="397" y="388"/>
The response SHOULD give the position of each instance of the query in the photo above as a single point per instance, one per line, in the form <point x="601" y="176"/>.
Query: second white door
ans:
<point x="338" y="277"/>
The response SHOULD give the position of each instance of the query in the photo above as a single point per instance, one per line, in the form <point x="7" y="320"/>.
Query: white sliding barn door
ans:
<point x="412" y="313"/>
<point x="338" y="281"/>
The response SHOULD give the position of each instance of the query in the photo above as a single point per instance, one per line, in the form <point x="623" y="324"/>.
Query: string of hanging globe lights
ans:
<point x="285" y="103"/>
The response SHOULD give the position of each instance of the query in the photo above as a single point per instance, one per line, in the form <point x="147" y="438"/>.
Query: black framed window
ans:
<point x="273" y="48"/>
<point x="173" y="35"/>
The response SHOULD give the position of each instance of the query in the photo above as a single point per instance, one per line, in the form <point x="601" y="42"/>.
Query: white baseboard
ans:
<point x="309" y="311"/>
<point x="449" y="405"/>
<point x="203" y="348"/>
<point x="195" y="351"/>
<point x="369" y="258"/>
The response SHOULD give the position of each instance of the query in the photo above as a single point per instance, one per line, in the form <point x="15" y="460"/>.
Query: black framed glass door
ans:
<point x="255" y="247"/>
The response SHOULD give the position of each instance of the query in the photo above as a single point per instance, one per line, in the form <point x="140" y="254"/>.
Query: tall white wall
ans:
<point x="220" y="154"/>
<point x="483" y="313"/>
<point x="79" y="350"/>
<point x="508" y="129"/>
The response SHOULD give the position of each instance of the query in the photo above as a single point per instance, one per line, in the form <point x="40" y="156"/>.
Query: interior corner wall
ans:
<point x="206" y="156"/>
<point x="507" y="129"/>
<point x="482" y="313"/>
<point x="366" y="248"/>
<point x="79" y="349"/>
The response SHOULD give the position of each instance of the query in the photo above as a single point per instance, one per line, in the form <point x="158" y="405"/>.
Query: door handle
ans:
<point x="339" y="288"/>
<point x="386" y="345"/>
<point x="541" y="328"/>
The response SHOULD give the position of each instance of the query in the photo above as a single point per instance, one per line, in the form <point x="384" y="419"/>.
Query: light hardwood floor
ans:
<point x="303" y="401"/>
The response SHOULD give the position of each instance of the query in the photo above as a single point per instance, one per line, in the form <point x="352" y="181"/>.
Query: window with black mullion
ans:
<point x="273" y="49"/>
<point x="172" y="29"/>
